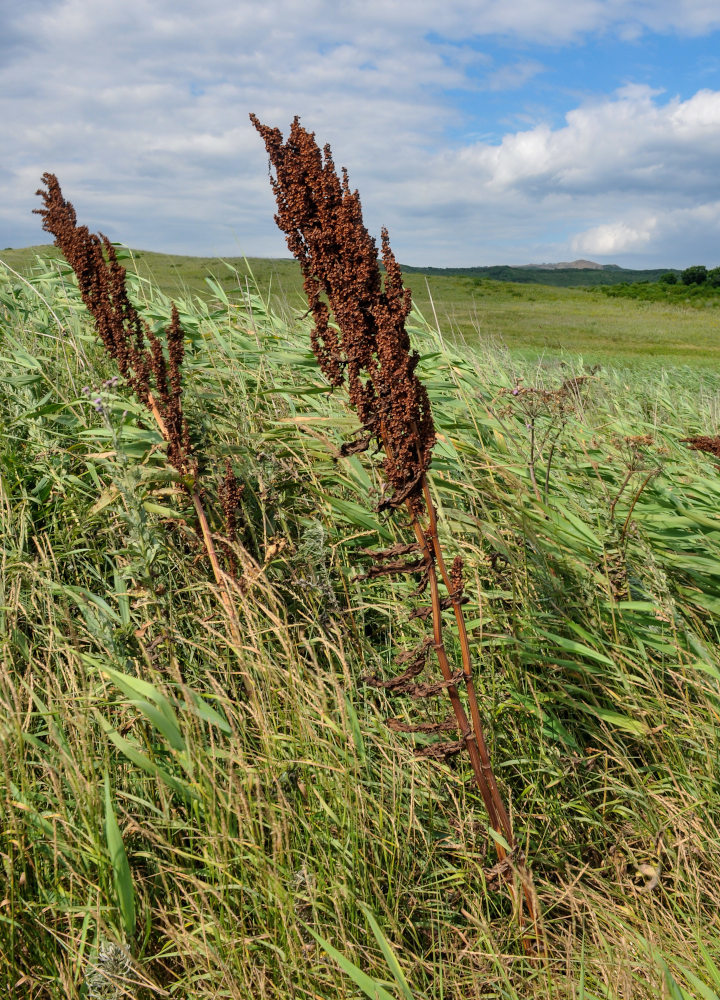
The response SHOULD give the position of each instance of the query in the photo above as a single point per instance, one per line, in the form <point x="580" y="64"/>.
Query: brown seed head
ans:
<point x="703" y="442"/>
<point x="322" y="220"/>
<point x="101" y="280"/>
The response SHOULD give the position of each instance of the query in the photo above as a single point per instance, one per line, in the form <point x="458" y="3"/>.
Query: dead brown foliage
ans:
<point x="702" y="442"/>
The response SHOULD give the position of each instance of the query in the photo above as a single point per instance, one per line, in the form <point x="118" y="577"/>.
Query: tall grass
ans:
<point x="184" y="816"/>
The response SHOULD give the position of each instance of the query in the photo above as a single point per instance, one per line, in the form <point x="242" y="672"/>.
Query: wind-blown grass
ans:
<point x="206" y="806"/>
<point x="532" y="320"/>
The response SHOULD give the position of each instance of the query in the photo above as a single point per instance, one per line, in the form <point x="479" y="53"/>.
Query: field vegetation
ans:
<point x="554" y="274"/>
<point x="204" y="807"/>
<point x="648" y="325"/>
<point x="211" y="785"/>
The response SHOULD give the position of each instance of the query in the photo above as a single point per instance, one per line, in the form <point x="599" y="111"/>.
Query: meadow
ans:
<point x="603" y="326"/>
<point x="201" y="807"/>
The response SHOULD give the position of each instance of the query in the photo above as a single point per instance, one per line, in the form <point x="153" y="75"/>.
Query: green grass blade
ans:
<point x="370" y="987"/>
<point x="122" y="879"/>
<point x="387" y="951"/>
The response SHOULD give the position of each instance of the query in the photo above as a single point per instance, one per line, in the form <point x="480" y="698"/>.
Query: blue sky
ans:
<point x="477" y="131"/>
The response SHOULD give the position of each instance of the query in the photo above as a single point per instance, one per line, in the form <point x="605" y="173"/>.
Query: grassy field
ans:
<point x="532" y="319"/>
<point x="188" y="815"/>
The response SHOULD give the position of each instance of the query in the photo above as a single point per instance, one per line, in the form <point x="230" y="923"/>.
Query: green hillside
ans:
<point x="536" y="320"/>
<point x="570" y="277"/>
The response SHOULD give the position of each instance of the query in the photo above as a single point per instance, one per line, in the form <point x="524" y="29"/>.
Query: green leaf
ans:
<point x="571" y="646"/>
<point x="370" y="987"/>
<point x="161" y="510"/>
<point x="709" y="964"/>
<point x="134" y="686"/>
<point x="355" y="730"/>
<point x="83" y="597"/>
<point x="703" y="991"/>
<point x="358" y="516"/>
<point x="215" y="287"/>
<point x="632" y="726"/>
<point x="134" y="754"/>
<point x="122" y="879"/>
<point x="499" y="839"/>
<point x="168" y="729"/>
<point x="387" y="951"/>
<point x="122" y="598"/>
<point x="206" y="712"/>
<point x="675" y="991"/>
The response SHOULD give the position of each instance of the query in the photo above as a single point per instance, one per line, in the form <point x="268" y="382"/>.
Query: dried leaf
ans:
<point x="398" y="726"/>
<point x="440" y="751"/>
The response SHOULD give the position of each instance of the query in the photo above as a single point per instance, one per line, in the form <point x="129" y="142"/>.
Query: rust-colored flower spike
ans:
<point x="101" y="279"/>
<point x="230" y="491"/>
<point x="322" y="220"/>
<point x="703" y="442"/>
<point x="154" y="378"/>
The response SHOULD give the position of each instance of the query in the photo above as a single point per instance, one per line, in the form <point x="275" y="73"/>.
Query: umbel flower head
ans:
<point x="322" y="220"/>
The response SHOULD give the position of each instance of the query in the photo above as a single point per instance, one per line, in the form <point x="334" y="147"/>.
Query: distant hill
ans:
<point x="576" y="265"/>
<point x="579" y="272"/>
<point x="184" y="270"/>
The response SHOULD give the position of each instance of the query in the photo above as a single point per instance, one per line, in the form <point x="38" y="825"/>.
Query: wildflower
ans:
<point x="108" y="978"/>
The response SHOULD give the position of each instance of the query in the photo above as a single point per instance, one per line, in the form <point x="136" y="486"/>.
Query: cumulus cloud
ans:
<point x="140" y="107"/>
<point x="693" y="233"/>
<point x="630" y="142"/>
<point x="645" y="169"/>
<point x="615" y="238"/>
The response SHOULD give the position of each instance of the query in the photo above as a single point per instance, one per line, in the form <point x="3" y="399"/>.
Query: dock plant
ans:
<point x="155" y="379"/>
<point x="360" y="341"/>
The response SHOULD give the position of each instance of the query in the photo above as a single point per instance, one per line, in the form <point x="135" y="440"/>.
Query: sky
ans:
<point x="477" y="131"/>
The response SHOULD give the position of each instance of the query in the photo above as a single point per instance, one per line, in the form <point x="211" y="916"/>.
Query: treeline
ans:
<point x="696" y="286"/>
<point x="698" y="274"/>
<point x="570" y="277"/>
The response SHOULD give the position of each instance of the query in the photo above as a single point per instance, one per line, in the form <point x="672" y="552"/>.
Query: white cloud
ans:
<point x="615" y="238"/>
<point x="141" y="108"/>
<point x="514" y="75"/>
<point x="692" y="232"/>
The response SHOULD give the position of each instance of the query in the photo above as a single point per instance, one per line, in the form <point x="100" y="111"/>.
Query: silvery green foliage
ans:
<point x="315" y="554"/>
<point x="108" y="978"/>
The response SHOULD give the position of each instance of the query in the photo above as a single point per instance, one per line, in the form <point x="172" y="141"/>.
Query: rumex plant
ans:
<point x="156" y="379"/>
<point x="368" y="348"/>
<point x="704" y="442"/>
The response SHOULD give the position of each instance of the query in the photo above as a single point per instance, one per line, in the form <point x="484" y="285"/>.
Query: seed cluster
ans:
<point x="368" y="344"/>
<point x="703" y="442"/>
<point x="230" y="491"/>
<point x="139" y="354"/>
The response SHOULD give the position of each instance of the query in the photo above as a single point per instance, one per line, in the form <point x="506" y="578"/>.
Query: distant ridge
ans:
<point x="576" y="265"/>
<point x="568" y="275"/>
